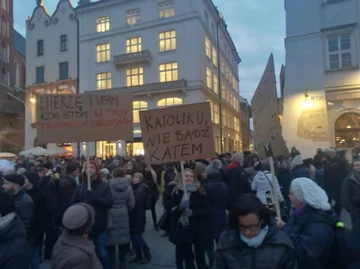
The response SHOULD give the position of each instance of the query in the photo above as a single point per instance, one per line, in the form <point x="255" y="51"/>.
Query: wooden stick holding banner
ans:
<point x="88" y="169"/>
<point x="183" y="180"/>
<point x="269" y="155"/>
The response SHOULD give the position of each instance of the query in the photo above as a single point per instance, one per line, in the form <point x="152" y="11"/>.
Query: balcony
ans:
<point x="132" y="58"/>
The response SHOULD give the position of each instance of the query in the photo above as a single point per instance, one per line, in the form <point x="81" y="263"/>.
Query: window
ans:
<point x="40" y="78"/>
<point x="138" y="106"/>
<point x="63" y="42"/>
<point x="168" y="72"/>
<point x="167" y="40"/>
<point x="213" y="31"/>
<point x="339" y="48"/>
<point x="103" y="81"/>
<point x="166" y="10"/>
<point x="103" y="24"/>
<point x="207" y="48"/>
<point x="103" y="52"/>
<point x="214" y="56"/>
<point x="216" y="84"/>
<point x="64" y="70"/>
<point x="40" y="47"/>
<point x="208" y="78"/>
<point x="134" y="77"/>
<point x="173" y="101"/>
<point x="133" y="45"/>
<point x="216" y="113"/>
<point x="133" y="17"/>
<point x="206" y="16"/>
<point x="222" y="65"/>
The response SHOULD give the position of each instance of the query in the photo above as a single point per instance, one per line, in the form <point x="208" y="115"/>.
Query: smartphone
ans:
<point x="268" y="198"/>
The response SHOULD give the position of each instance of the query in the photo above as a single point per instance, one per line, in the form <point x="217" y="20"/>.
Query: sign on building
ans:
<point x="177" y="133"/>
<point x="86" y="117"/>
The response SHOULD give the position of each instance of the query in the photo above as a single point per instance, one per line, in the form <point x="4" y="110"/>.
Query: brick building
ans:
<point x="12" y="110"/>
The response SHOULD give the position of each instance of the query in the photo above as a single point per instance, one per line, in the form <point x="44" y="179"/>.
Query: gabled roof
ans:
<point x="19" y="43"/>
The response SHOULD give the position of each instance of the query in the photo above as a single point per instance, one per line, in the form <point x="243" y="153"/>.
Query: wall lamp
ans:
<point x="32" y="99"/>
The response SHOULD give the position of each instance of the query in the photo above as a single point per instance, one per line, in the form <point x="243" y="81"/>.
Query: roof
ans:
<point x="243" y="100"/>
<point x="19" y="43"/>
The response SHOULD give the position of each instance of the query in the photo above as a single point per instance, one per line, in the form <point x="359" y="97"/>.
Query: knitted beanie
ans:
<point x="213" y="167"/>
<point x="79" y="218"/>
<point x="14" y="178"/>
<point x="308" y="192"/>
<point x="298" y="160"/>
<point x="199" y="168"/>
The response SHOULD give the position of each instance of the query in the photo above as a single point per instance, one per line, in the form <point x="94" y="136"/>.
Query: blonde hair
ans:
<point x="178" y="180"/>
<point x="237" y="158"/>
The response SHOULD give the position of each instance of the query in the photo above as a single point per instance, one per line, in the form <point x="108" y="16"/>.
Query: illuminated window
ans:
<point x="134" y="77"/>
<point x="133" y="17"/>
<point x="168" y="72"/>
<point x="214" y="56"/>
<point x="207" y="48"/>
<point x="222" y="65"/>
<point x="103" y="81"/>
<point x="133" y="45"/>
<point x="103" y="53"/>
<point x="173" y="101"/>
<point x="103" y="24"/>
<point x="166" y="10"/>
<point x="223" y="91"/>
<point x="216" y="84"/>
<point x="208" y="78"/>
<point x="138" y="106"/>
<point x="216" y="113"/>
<point x="167" y="40"/>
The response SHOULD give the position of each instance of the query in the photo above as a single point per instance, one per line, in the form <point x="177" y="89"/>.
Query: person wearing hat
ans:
<point x="200" y="171"/>
<point x="23" y="203"/>
<point x="100" y="198"/>
<point x="15" y="249"/>
<point x="312" y="225"/>
<point x="73" y="249"/>
<point x="38" y="229"/>
<point x="298" y="168"/>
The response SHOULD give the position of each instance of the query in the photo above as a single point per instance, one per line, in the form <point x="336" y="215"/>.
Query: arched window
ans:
<point x="172" y="101"/>
<point x="347" y="130"/>
<point x="138" y="106"/>
<point x="16" y="74"/>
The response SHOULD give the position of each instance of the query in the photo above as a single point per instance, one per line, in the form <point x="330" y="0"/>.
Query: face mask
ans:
<point x="257" y="240"/>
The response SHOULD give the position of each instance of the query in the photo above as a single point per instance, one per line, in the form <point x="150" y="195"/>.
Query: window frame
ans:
<point x="103" y="80"/>
<point x="136" y="110"/>
<point x="129" y="47"/>
<point x="166" y="7"/>
<point x="103" y="53"/>
<point x="103" y="24"/>
<point x="339" y="52"/>
<point x="208" y="47"/>
<point x="139" y="75"/>
<point x="37" y="68"/>
<point x="174" y="72"/>
<point x="209" y="80"/>
<point x="164" y="41"/>
<point x="63" y="42"/>
<point x="166" y="99"/>
<point x="40" y="52"/>
<point x="63" y="64"/>
<point x="132" y="17"/>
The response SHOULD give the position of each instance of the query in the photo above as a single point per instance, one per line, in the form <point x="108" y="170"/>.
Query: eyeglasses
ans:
<point x="251" y="228"/>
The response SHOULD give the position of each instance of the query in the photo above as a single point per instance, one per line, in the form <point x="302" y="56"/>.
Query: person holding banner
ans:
<point x="189" y="220"/>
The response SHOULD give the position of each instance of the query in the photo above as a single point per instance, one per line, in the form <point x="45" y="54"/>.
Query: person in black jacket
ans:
<point x="138" y="219"/>
<point x="15" y="250"/>
<point x="31" y="187"/>
<point x="150" y="179"/>
<point x="238" y="180"/>
<point x="24" y="205"/>
<point x="99" y="197"/>
<point x="190" y="213"/>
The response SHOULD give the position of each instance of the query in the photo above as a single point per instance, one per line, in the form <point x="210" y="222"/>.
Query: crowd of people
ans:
<point x="219" y="213"/>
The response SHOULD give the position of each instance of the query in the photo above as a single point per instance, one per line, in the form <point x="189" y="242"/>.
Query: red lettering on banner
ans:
<point x="58" y="125"/>
<point x="98" y="113"/>
<point x="112" y="123"/>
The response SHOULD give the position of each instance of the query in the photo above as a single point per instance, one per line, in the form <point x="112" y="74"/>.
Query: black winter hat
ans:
<point x="7" y="204"/>
<point x="71" y="167"/>
<point x="33" y="177"/>
<point x="18" y="179"/>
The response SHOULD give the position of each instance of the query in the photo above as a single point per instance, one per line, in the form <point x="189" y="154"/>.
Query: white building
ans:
<point x="51" y="60"/>
<point x="165" y="53"/>
<point x="322" y="76"/>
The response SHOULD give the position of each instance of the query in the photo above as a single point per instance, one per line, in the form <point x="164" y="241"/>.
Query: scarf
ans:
<point x="257" y="240"/>
<point x="184" y="220"/>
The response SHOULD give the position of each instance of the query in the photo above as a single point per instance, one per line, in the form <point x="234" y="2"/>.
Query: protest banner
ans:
<point x="177" y="133"/>
<point x="84" y="117"/>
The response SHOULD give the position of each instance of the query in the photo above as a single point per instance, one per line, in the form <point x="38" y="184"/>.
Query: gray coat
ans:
<point x="118" y="225"/>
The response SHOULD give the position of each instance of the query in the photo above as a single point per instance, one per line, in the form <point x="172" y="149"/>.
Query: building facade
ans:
<point x="52" y="61"/>
<point x="11" y="98"/>
<point x="165" y="53"/>
<point x="245" y="111"/>
<point x="322" y="78"/>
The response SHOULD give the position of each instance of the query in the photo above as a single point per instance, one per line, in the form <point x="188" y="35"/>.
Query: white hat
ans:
<point x="308" y="192"/>
<point x="298" y="160"/>
<point x="105" y="171"/>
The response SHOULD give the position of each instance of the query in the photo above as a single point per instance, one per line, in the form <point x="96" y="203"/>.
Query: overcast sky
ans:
<point x="256" y="26"/>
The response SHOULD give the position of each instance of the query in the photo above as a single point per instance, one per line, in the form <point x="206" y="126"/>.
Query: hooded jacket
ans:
<point x="262" y="183"/>
<point x="14" y="247"/>
<point x="118" y="231"/>
<point x="275" y="252"/>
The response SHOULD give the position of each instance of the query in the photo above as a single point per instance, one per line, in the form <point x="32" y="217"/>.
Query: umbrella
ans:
<point x="55" y="151"/>
<point x="5" y="155"/>
<point x="38" y="151"/>
<point x="6" y="165"/>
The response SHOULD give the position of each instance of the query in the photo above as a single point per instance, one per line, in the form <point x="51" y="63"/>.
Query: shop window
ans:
<point x="347" y="130"/>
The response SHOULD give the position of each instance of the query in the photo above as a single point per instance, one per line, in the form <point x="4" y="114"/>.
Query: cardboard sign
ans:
<point x="177" y="133"/>
<point x="265" y="114"/>
<point x="86" y="117"/>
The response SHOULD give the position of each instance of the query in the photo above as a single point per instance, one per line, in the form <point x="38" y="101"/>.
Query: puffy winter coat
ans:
<point x="25" y="208"/>
<point x="138" y="214"/>
<point x="218" y="196"/>
<point x="118" y="231"/>
<point x="275" y="252"/>
<point x="75" y="252"/>
<point x="312" y="233"/>
<point x="15" y="251"/>
<point x="262" y="183"/>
